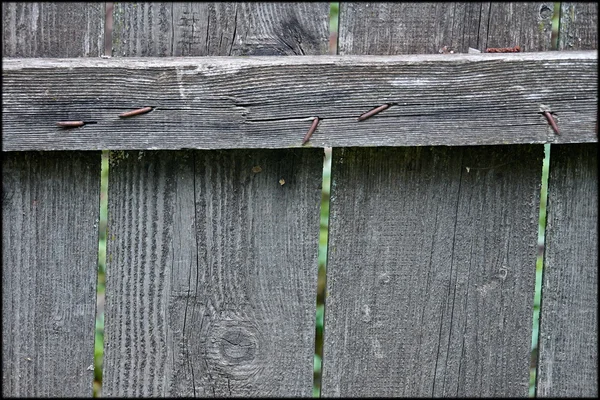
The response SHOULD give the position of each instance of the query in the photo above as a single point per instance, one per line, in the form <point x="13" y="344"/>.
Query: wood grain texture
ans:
<point x="45" y="29"/>
<point x="578" y="26"/>
<point x="409" y="28"/>
<point x="432" y="261"/>
<point x="568" y="346"/>
<point x="220" y="29"/>
<point x="270" y="102"/>
<point x="431" y="271"/>
<point x="50" y="205"/>
<point x="211" y="273"/>
<point x="49" y="226"/>
<point x="568" y="355"/>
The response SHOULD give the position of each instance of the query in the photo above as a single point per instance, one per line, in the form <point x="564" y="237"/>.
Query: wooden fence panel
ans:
<point x="431" y="271"/>
<point x="412" y="28"/>
<point x="432" y="254"/>
<point x="212" y="256"/>
<point x="50" y="211"/>
<point x="220" y="29"/>
<point x="578" y="26"/>
<point x="568" y="345"/>
<point x="568" y="360"/>
<point x="53" y="29"/>
<point x="211" y="272"/>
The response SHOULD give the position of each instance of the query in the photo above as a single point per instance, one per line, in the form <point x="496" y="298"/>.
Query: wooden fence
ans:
<point x="214" y="200"/>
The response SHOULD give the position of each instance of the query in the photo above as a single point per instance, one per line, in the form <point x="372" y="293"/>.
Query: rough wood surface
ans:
<point x="409" y="28"/>
<point x="431" y="271"/>
<point x="50" y="211"/>
<point x="269" y="102"/>
<point x="432" y="262"/>
<point x="50" y="205"/>
<point x="220" y="29"/>
<point x="52" y="29"/>
<point x="211" y="273"/>
<point x="568" y="355"/>
<point x="578" y="26"/>
<point x="568" y="346"/>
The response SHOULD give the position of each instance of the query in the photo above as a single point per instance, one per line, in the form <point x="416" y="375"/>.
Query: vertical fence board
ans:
<point x="568" y="360"/>
<point x="50" y="226"/>
<point x="578" y="26"/>
<point x="211" y="272"/>
<point x="568" y="345"/>
<point x="409" y="28"/>
<point x="212" y="263"/>
<point x="49" y="256"/>
<point x="220" y="29"/>
<point x="45" y="29"/>
<point x="431" y="272"/>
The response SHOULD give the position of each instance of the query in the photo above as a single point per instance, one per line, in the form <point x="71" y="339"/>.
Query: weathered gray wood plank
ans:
<point x="568" y="355"/>
<point x="50" y="205"/>
<point x="578" y="26"/>
<point x="49" y="226"/>
<point x="431" y="268"/>
<point x="431" y="271"/>
<point x="220" y="29"/>
<point x="409" y="28"/>
<point x="52" y="29"/>
<point x="216" y="250"/>
<point x="269" y="102"/>
<point x="211" y="273"/>
<point x="568" y="348"/>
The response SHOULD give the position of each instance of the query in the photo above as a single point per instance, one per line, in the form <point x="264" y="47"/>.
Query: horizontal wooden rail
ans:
<point x="271" y="102"/>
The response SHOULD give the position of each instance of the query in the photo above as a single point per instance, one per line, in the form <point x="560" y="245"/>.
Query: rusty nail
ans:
<point x="373" y="112"/>
<point x="135" y="112"/>
<point x="70" y="124"/>
<point x="313" y="127"/>
<point x="515" y="49"/>
<point x="550" y="119"/>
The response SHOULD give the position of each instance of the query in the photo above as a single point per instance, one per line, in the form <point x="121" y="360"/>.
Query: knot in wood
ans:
<point x="236" y="348"/>
<point x="545" y="12"/>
